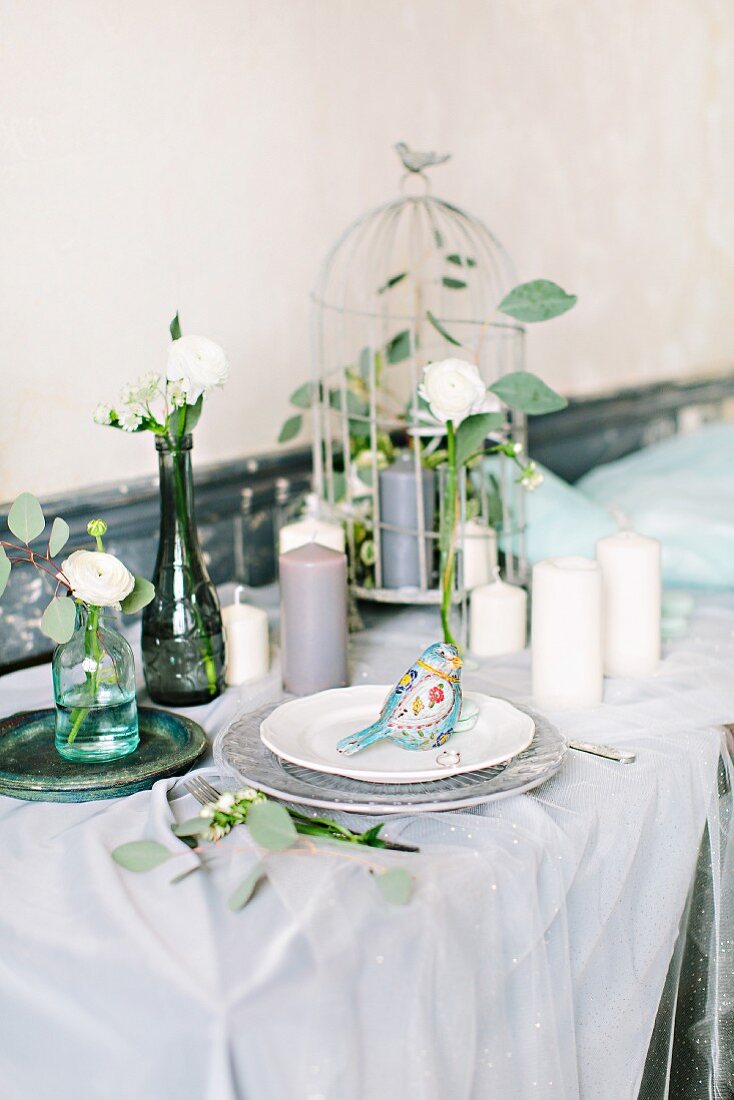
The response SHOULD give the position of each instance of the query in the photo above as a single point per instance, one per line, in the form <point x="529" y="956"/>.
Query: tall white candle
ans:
<point x="247" y="641"/>
<point x="479" y="553"/>
<point x="631" y="585"/>
<point x="497" y="619"/>
<point x="567" y="633"/>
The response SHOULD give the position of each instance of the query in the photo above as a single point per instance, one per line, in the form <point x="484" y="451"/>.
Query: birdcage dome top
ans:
<point x="415" y="254"/>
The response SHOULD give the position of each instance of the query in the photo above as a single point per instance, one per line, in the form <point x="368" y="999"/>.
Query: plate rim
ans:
<point x="389" y="778"/>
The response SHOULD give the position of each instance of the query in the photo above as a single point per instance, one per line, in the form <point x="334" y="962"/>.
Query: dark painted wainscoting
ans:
<point x="238" y="502"/>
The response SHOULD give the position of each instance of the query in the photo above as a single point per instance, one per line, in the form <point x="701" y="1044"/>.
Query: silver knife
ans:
<point x="606" y="751"/>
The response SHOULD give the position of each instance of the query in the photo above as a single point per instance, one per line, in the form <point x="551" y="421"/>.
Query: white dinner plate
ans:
<point x="305" y="732"/>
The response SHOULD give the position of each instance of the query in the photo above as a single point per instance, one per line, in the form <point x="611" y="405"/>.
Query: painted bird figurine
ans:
<point x="422" y="709"/>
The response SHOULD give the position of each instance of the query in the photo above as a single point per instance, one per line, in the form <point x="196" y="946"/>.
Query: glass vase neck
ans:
<point x="166" y="444"/>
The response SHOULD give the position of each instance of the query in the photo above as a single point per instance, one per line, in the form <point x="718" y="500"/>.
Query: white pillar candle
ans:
<point x="567" y="633"/>
<point x="479" y="553"/>
<point x="497" y="618"/>
<point x="247" y="641"/>
<point x="631" y="586"/>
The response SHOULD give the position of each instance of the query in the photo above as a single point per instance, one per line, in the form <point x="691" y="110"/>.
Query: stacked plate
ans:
<point x="288" y="749"/>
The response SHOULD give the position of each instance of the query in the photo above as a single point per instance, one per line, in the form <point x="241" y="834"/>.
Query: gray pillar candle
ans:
<point x="313" y="618"/>
<point x="400" y="553"/>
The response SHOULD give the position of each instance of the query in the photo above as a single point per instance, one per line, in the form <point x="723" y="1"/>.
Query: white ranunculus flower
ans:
<point x="454" y="389"/>
<point x="97" y="578"/>
<point x="102" y="414"/>
<point x="198" y="364"/>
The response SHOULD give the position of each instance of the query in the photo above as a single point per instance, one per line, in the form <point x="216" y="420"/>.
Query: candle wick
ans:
<point x="238" y="593"/>
<point x="496" y="574"/>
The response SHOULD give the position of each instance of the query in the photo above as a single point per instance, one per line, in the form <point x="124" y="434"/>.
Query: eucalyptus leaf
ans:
<point x="461" y="261"/>
<point x="453" y="284"/>
<point x="356" y="405"/>
<point x="290" y="429"/>
<point x="340" y="487"/>
<point x="398" y="348"/>
<point x="141" y="855"/>
<point x="175" y="328"/>
<point x="527" y="393"/>
<point x="246" y="889"/>
<point x="270" y="826"/>
<point x="5" y="568"/>
<point x="472" y="432"/>
<point x="57" y="621"/>
<point x="396" y="885"/>
<point x="59" y="536"/>
<point x="140" y="597"/>
<point x="442" y="331"/>
<point x="539" y="300"/>
<point x="25" y="518"/>
<point x="303" y="396"/>
<point x="392" y="281"/>
<point x="195" y="826"/>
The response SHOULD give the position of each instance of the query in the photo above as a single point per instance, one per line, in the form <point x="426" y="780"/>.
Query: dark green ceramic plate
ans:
<point x="31" y="768"/>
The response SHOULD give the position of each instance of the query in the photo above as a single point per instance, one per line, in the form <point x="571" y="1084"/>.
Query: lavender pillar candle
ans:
<point x="313" y="619"/>
<point x="400" y="552"/>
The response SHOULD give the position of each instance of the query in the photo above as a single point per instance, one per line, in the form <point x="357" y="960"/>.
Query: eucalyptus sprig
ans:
<point x="27" y="522"/>
<point x="274" y="828"/>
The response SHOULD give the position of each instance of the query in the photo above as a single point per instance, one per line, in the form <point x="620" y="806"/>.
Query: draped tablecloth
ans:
<point x="531" y="961"/>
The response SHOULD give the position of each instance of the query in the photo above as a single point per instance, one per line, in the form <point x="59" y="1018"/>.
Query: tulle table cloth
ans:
<point x="553" y="941"/>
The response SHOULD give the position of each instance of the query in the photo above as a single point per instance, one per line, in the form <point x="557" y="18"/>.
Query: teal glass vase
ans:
<point x="182" y="637"/>
<point x="94" y="691"/>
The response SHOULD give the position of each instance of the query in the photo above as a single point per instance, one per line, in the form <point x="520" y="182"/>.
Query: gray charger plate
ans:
<point x="239" y="750"/>
<point x="31" y="768"/>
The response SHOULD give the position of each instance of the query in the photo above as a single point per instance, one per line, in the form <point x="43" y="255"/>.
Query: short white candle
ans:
<point x="247" y="641"/>
<point x="497" y="619"/>
<point x="566" y="635"/>
<point x="631" y="585"/>
<point x="479" y="553"/>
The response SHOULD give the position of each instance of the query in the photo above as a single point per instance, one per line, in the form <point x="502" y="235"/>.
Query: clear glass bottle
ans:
<point x="182" y="638"/>
<point x="94" y="691"/>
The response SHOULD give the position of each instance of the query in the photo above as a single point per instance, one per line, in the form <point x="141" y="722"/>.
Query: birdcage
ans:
<point x="414" y="281"/>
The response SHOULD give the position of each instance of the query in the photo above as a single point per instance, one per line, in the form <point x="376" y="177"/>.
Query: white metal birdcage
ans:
<point x="404" y="286"/>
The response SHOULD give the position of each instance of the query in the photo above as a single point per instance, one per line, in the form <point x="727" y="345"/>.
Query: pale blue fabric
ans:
<point x="680" y="491"/>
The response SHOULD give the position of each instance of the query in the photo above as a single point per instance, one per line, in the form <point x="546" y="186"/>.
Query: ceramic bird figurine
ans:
<point x="422" y="709"/>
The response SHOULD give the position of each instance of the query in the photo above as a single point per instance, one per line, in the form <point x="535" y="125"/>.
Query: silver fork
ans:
<point x="205" y="794"/>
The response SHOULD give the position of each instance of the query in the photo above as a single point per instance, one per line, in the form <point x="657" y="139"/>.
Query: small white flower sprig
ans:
<point x="90" y="577"/>
<point x="170" y="404"/>
<point x="274" y="829"/>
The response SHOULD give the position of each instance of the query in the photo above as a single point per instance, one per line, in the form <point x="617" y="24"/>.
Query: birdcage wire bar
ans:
<point x="370" y="322"/>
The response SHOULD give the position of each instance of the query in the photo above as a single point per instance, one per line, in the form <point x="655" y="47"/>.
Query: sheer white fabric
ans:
<point x="532" y="959"/>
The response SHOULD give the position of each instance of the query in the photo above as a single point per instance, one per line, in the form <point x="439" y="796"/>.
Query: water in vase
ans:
<point x="103" y="732"/>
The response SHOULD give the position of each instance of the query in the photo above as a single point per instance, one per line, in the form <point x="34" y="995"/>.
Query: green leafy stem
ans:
<point x="273" y="828"/>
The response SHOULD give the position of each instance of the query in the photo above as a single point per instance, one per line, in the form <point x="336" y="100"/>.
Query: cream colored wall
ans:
<point x="203" y="154"/>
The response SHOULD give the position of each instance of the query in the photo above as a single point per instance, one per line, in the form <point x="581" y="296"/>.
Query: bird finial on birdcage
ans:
<point x="416" y="162"/>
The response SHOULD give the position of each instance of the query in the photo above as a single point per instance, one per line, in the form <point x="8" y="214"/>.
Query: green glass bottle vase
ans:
<point x="182" y="638"/>
<point x="94" y="691"/>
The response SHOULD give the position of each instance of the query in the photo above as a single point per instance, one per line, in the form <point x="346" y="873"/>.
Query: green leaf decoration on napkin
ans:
<point x="396" y="885"/>
<point x="472" y="432"/>
<point x="141" y="595"/>
<point x="271" y="826"/>
<point x="246" y="889"/>
<point x="4" y="569"/>
<point x="290" y="429"/>
<point x="453" y="284"/>
<point x="25" y="518"/>
<point x="59" y="536"/>
<point x="527" y="393"/>
<point x="461" y="261"/>
<point x="539" y="300"/>
<point x="195" y="826"/>
<point x="141" y="855"/>
<point x="392" y="281"/>
<point x="57" y="621"/>
<point x="442" y="331"/>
